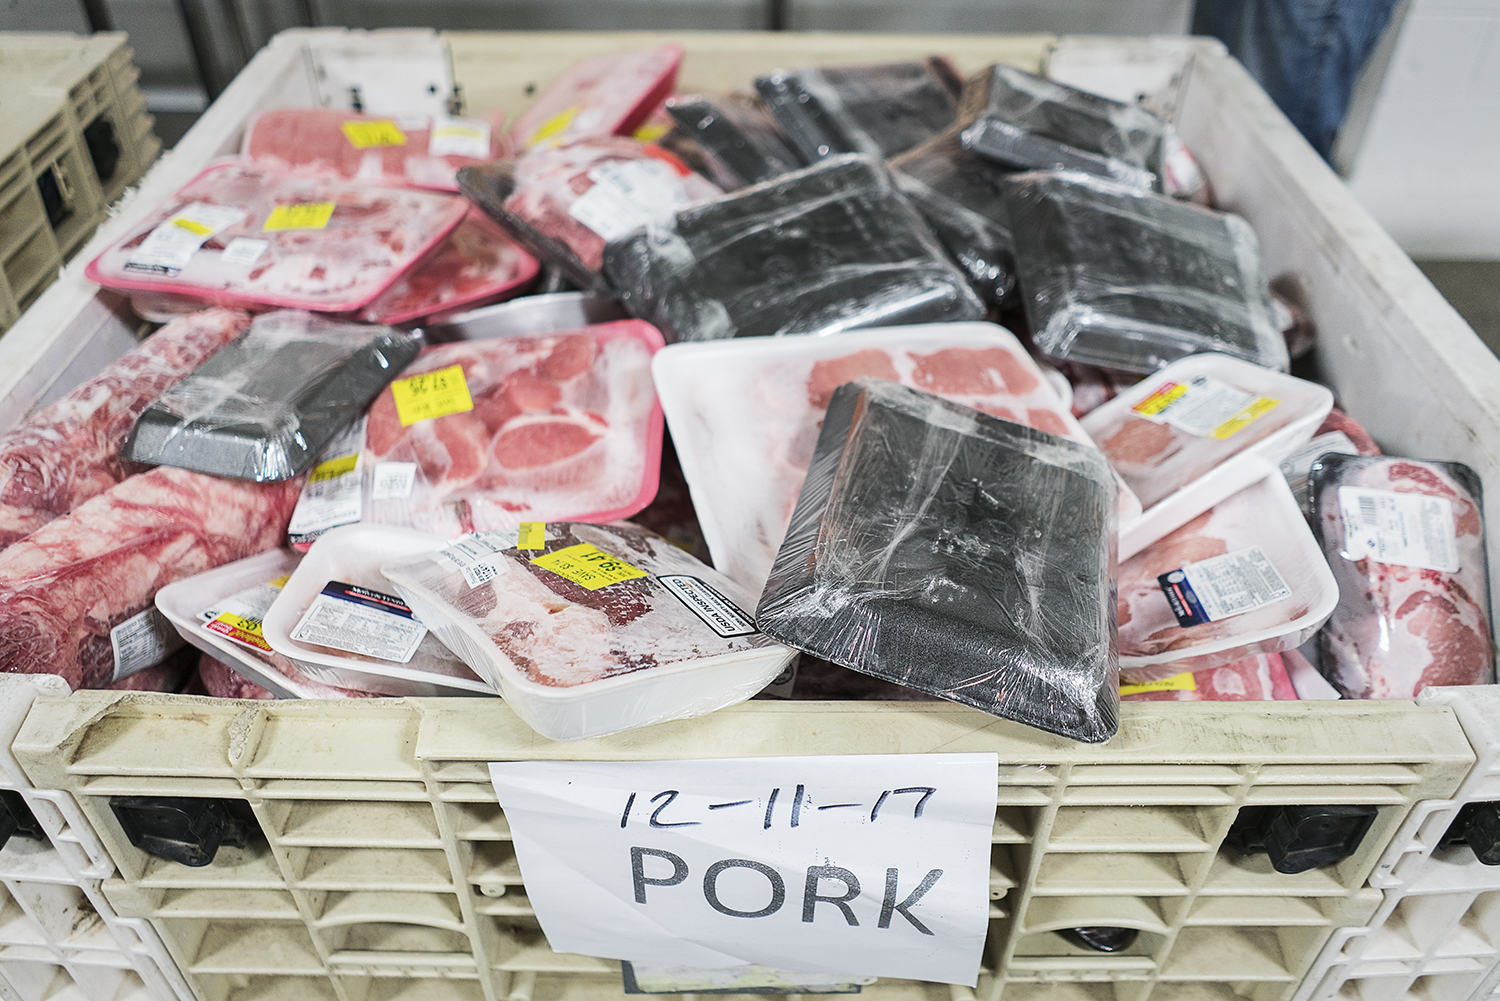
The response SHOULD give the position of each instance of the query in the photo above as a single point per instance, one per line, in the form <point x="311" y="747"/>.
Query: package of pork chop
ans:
<point x="587" y="630"/>
<point x="1405" y="538"/>
<point x="958" y="554"/>
<point x="737" y="139"/>
<point x="828" y="248"/>
<point x="601" y="96"/>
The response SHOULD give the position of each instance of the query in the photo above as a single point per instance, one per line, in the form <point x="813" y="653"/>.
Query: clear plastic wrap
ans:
<point x="1262" y="678"/>
<point x="605" y="95"/>
<point x="1245" y="577"/>
<point x="592" y="629"/>
<point x="1405" y="538"/>
<point x="243" y="234"/>
<point x="1026" y="122"/>
<point x="1126" y="279"/>
<point x="957" y="554"/>
<point x="736" y="136"/>
<point x="877" y="110"/>
<point x="745" y="415"/>
<point x="828" y="248"/>
<point x="390" y="153"/>
<point x="263" y="407"/>
<point x="563" y="203"/>
<point x="68" y="451"/>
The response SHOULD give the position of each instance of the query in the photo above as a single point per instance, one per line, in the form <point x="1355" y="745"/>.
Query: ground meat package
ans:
<point x="958" y="554"/>
<point x="736" y="137"/>
<point x="386" y="152"/>
<point x="244" y="234"/>
<point x="1244" y="578"/>
<point x="828" y="248"/>
<point x="1201" y="429"/>
<point x="564" y="202"/>
<point x="69" y="451"/>
<point x="1026" y="122"/>
<point x="1405" y="538"/>
<point x="1262" y="678"/>
<point x="587" y="630"/>
<point x="267" y="404"/>
<point x="745" y="415"/>
<point x="605" y="95"/>
<point x="1122" y="278"/>
<point x="877" y="110"/>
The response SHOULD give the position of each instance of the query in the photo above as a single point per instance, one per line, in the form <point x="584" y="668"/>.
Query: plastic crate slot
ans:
<point x="396" y="937"/>
<point x="240" y="987"/>
<point x="528" y="951"/>
<point x="357" y="824"/>
<point x="1234" y="872"/>
<point x="1127" y="828"/>
<point x="1050" y="914"/>
<point x="16" y="926"/>
<point x="104" y="149"/>
<point x="1348" y="774"/>
<point x="57" y="194"/>
<point x="482" y="822"/>
<point x="1274" y="912"/>
<point x="374" y="868"/>
<point x="1299" y="838"/>
<point x="1444" y="987"/>
<point x="1059" y="990"/>
<point x="1135" y="775"/>
<point x="39" y="981"/>
<point x="21" y="216"/>
<point x="1347" y="795"/>
<point x="1127" y="873"/>
<point x="245" y="946"/>
<point x="385" y="989"/>
<point x="515" y="903"/>
<point x="494" y="862"/>
<point x="1225" y="954"/>
<point x="16" y="819"/>
<point x="1165" y="795"/>
<point x="185" y="830"/>
<point x="467" y="792"/>
<point x="251" y="868"/>
<point x="342" y="789"/>
<point x="30" y="263"/>
<point x="463" y="772"/>
<point x="438" y="910"/>
<point x="1026" y="775"/>
<point x="227" y="902"/>
<point x="1101" y="947"/>
<point x="383" y="750"/>
<point x="1477" y="827"/>
<point x="1012" y="826"/>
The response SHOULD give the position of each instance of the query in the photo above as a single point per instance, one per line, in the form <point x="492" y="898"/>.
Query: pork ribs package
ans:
<point x="1262" y="678"/>
<point x="591" y="629"/>
<point x="736" y="136"/>
<point x="878" y="110"/>
<point x="957" y="554"/>
<point x="267" y="404"/>
<point x="1405" y="538"/>
<point x="601" y="96"/>
<point x="244" y="234"/>
<point x="828" y="248"/>
<point x="1122" y="278"/>
<point x="563" y="202"/>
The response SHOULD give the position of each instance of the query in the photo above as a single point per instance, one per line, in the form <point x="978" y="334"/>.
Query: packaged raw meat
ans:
<point x="1262" y="678"/>
<point x="1243" y="578"/>
<point x="1092" y="386"/>
<point x="1307" y="680"/>
<point x="605" y="95"/>
<point x="76" y="595"/>
<point x="1338" y="421"/>
<point x="1123" y="278"/>
<point x="562" y="203"/>
<point x="385" y="152"/>
<point x="587" y="630"/>
<point x="1201" y="429"/>
<point x="958" y="554"/>
<point x="479" y="263"/>
<point x="1405" y="538"/>
<point x="530" y="314"/>
<point x="736" y="137"/>
<point x="263" y="407"/>
<point x="962" y="197"/>
<point x="339" y="621"/>
<point x="244" y="234"/>
<point x="224" y="682"/>
<point x="1026" y="122"/>
<point x="170" y="675"/>
<point x="877" y="110"/>
<point x="745" y="415"/>
<point x="69" y="451"/>
<point x="828" y="248"/>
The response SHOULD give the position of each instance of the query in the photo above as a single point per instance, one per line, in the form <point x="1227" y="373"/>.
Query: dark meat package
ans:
<point x="587" y="630"/>
<point x="605" y="95"/>
<point x="957" y="554"/>
<point x="1126" y="279"/>
<point x="244" y="234"/>
<point x="562" y="203"/>
<point x="388" y="153"/>
<point x="266" y="405"/>
<point x="1405" y="538"/>
<point x="828" y="248"/>
<point x="1027" y="122"/>
<point x="878" y="110"/>
<point x="69" y="451"/>
<point x="736" y="137"/>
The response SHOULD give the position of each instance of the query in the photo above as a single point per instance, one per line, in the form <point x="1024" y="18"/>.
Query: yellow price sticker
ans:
<point x="279" y="582"/>
<point x="1257" y="407"/>
<point x="1176" y="683"/>
<point x="431" y="395"/>
<point x="368" y="135"/>
<point x="651" y="131"/>
<point x="532" y="535"/>
<point x="553" y="126"/>
<point x="588" y="566"/>
<point x="193" y="226"/>
<point x="1160" y="400"/>
<point x="333" y="468"/>
<point x="303" y="215"/>
<point x="240" y="629"/>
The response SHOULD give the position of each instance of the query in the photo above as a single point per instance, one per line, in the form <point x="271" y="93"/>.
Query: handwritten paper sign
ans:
<point x="869" y="865"/>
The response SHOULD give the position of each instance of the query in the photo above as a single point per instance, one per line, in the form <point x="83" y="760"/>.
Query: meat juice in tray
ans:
<point x="243" y="234"/>
<point x="587" y="630"/>
<point x="745" y="415"/>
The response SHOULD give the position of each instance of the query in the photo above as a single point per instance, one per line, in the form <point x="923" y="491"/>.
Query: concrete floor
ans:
<point x="1473" y="287"/>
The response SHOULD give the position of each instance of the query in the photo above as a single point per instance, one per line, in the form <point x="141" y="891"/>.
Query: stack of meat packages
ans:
<point x="779" y="347"/>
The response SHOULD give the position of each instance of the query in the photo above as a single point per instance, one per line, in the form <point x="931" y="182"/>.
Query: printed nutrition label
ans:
<point x="1223" y="586"/>
<point x="359" y="620"/>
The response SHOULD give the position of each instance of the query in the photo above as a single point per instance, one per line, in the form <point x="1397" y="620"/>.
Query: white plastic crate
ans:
<point x="1436" y="935"/>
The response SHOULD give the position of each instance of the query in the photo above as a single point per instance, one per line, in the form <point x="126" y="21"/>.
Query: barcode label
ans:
<point x="1405" y="529"/>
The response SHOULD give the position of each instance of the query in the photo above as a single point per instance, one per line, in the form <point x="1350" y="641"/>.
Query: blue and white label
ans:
<point x="363" y="621"/>
<point x="1223" y="586"/>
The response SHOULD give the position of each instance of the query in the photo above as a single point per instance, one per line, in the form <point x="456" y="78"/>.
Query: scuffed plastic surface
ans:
<point x="1126" y="279"/>
<point x="266" y="405"/>
<point x="574" y="662"/>
<point x="1398" y="629"/>
<point x="877" y="110"/>
<point x="828" y="248"/>
<point x="605" y="95"/>
<point x="957" y="554"/>
<point x="1262" y="678"/>
<point x="736" y="136"/>
<point x="372" y="236"/>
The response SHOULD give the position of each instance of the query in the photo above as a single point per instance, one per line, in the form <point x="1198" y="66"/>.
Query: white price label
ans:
<point x="480" y="557"/>
<point x="1411" y="530"/>
<point x="627" y="195"/>
<point x="861" y="865"/>
<point x="331" y="495"/>
<point x="468" y="137"/>
<point x="141" y="641"/>
<point x="393" y="480"/>
<point x="171" y="245"/>
<point x="244" y="251"/>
